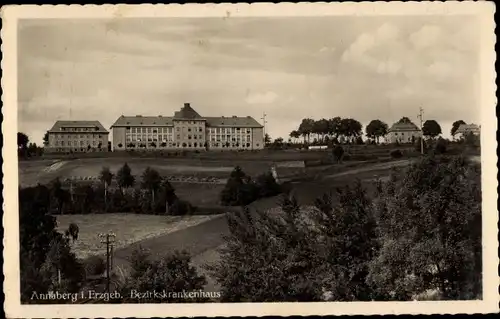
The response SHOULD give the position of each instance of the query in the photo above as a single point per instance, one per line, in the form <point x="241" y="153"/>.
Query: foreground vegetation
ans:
<point x="419" y="232"/>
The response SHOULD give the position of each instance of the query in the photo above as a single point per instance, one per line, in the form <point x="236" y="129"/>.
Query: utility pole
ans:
<point x="109" y="240"/>
<point x="421" y="117"/>
<point x="264" y="121"/>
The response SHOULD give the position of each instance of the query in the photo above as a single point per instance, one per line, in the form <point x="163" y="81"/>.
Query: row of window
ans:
<point x="212" y="130"/>
<point x="79" y="129"/>
<point x="226" y="130"/>
<point x="78" y="143"/>
<point x="76" y="136"/>
<point x="150" y="145"/>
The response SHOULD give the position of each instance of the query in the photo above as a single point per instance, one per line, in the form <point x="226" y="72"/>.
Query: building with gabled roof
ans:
<point x="187" y="130"/>
<point x="77" y="136"/>
<point x="465" y="129"/>
<point x="403" y="132"/>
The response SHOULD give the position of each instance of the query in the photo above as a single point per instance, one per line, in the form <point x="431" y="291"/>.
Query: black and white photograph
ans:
<point x="249" y="159"/>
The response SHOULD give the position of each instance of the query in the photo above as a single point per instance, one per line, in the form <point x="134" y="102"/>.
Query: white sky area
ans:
<point x="291" y="68"/>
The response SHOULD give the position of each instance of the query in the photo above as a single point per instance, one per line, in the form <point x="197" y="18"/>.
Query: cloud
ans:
<point x="427" y="36"/>
<point x="261" y="98"/>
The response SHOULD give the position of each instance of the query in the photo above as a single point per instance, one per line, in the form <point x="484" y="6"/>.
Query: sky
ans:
<point x="363" y="67"/>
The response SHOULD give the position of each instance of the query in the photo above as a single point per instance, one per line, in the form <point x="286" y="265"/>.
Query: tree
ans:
<point x="106" y="177"/>
<point x="171" y="273"/>
<point x="60" y="195"/>
<point x="338" y="152"/>
<point x="267" y="258"/>
<point x="167" y="197"/>
<point x="334" y="126"/>
<point x="376" y="129"/>
<point x="430" y="230"/>
<point x="46" y="139"/>
<point x="294" y="135"/>
<point x="72" y="231"/>
<point x="405" y="120"/>
<point x="348" y="229"/>
<point x="296" y="254"/>
<point x="431" y="128"/>
<point x="151" y="180"/>
<point x="41" y="246"/>
<point x="320" y="128"/>
<point x="306" y="128"/>
<point x="124" y="177"/>
<point x="267" y="139"/>
<point x="22" y="140"/>
<point x="455" y="127"/>
<point x="61" y="267"/>
<point x="239" y="189"/>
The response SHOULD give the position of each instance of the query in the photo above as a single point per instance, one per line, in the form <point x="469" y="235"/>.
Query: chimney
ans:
<point x="186" y="105"/>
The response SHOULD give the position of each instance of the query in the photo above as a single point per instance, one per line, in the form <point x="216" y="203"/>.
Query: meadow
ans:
<point x="128" y="228"/>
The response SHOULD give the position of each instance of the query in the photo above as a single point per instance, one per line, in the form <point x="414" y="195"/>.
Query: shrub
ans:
<point x="181" y="207"/>
<point x="338" y="152"/>
<point x="239" y="189"/>
<point x="441" y="146"/>
<point x="94" y="266"/>
<point x="173" y="273"/>
<point x="267" y="185"/>
<point x="396" y="153"/>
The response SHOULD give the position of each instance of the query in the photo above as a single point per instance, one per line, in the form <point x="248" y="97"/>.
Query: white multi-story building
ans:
<point x="187" y="130"/>
<point x="77" y="136"/>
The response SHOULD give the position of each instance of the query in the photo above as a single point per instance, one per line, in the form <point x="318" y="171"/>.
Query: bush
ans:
<point x="338" y="152"/>
<point x="172" y="273"/>
<point x="94" y="266"/>
<point x="396" y="153"/>
<point x="267" y="185"/>
<point x="441" y="146"/>
<point x="181" y="207"/>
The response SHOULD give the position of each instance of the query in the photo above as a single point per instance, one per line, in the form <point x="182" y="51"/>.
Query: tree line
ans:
<point x="349" y="130"/>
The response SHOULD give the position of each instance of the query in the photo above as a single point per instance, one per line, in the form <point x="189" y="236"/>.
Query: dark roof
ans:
<point x="403" y="127"/>
<point x="78" y="124"/>
<point x="463" y="128"/>
<point x="140" y="120"/>
<point x="187" y="112"/>
<point x="246" y="121"/>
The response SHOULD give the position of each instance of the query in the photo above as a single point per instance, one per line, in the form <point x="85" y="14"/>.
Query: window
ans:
<point x="189" y="137"/>
<point x="200" y="137"/>
<point x="201" y="129"/>
<point x="189" y="130"/>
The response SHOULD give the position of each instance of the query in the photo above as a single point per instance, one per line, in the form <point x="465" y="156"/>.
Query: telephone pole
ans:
<point x="421" y="117"/>
<point x="264" y="121"/>
<point x="109" y="240"/>
<point x="263" y="118"/>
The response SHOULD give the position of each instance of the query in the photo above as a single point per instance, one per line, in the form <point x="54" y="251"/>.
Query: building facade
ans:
<point x="77" y="136"/>
<point x="187" y="130"/>
<point x="465" y="129"/>
<point x="403" y="133"/>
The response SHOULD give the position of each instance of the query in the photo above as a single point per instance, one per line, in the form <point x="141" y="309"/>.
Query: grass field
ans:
<point x="43" y="171"/>
<point x="129" y="228"/>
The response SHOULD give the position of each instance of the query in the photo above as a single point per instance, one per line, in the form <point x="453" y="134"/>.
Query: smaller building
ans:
<point x="77" y="136"/>
<point x="403" y="133"/>
<point x="465" y="129"/>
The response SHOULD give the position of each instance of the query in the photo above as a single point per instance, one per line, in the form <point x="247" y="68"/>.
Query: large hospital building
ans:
<point x="187" y="130"/>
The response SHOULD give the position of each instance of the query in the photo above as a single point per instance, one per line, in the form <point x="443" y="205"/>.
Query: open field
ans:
<point x="42" y="171"/>
<point x="129" y="228"/>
